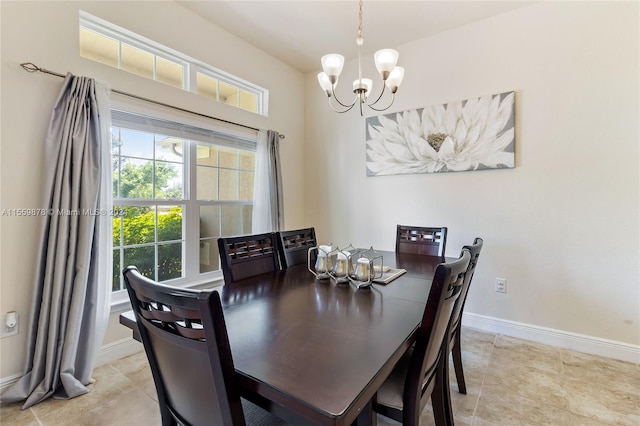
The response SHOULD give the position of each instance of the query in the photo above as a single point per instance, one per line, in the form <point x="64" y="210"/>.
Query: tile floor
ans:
<point x="509" y="382"/>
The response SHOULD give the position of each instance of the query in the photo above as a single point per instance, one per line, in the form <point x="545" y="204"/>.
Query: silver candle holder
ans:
<point x="324" y="263"/>
<point x="365" y="268"/>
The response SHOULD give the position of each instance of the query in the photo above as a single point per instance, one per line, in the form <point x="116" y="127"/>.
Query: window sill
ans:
<point x="120" y="300"/>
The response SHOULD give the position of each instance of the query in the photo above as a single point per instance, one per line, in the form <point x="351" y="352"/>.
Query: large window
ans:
<point x="104" y="42"/>
<point x="176" y="189"/>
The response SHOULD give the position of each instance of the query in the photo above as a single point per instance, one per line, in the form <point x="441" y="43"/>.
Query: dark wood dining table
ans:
<point x="315" y="352"/>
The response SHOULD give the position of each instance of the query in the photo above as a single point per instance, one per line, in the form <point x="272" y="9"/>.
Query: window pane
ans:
<point x="136" y="61"/>
<point x="169" y="261"/>
<point x="115" y="175"/>
<point x="116" y="221"/>
<point x="169" y="72"/>
<point x="136" y="144"/>
<point x="98" y="47"/>
<point x="207" y="185"/>
<point x="228" y="184"/>
<point x="209" y="221"/>
<point x="229" y="157"/>
<point x="246" y="185"/>
<point x="115" y="141"/>
<point x="117" y="270"/>
<point x="136" y="178"/>
<point x="169" y="223"/>
<point x="168" y="180"/>
<point x="139" y="225"/>
<point x="247" y="212"/>
<point x="247" y="160"/>
<point x="207" y="155"/>
<point x="143" y="258"/>
<point x="207" y="86"/>
<point x="231" y="220"/>
<point x="229" y="93"/>
<point x="248" y="101"/>
<point x="209" y="258"/>
<point x="169" y="149"/>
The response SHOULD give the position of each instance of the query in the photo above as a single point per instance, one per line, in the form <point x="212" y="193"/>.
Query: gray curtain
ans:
<point x="268" y="210"/>
<point x="70" y="296"/>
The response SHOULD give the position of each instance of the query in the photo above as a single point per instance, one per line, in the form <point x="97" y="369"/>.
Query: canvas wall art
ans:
<point x="475" y="134"/>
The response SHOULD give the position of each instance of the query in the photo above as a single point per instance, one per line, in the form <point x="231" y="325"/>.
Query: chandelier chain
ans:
<point x="360" y="20"/>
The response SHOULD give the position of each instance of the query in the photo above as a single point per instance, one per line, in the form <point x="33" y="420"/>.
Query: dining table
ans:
<point x="314" y="352"/>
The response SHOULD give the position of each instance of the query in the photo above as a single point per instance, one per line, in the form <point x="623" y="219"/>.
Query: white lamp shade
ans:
<point x="323" y="79"/>
<point x="365" y="83"/>
<point x="385" y="60"/>
<point x="395" y="78"/>
<point x="332" y="64"/>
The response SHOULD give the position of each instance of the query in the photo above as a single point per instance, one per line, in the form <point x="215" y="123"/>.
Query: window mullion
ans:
<point x="192" y="229"/>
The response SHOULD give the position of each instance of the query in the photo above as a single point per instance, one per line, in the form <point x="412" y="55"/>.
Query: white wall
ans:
<point x="562" y="227"/>
<point x="46" y="33"/>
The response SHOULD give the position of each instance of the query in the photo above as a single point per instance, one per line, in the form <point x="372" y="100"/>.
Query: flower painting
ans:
<point x="475" y="134"/>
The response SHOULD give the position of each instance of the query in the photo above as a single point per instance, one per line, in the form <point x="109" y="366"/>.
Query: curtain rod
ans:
<point x="31" y="67"/>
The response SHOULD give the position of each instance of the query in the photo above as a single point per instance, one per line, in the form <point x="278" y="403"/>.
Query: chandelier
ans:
<point x="385" y="60"/>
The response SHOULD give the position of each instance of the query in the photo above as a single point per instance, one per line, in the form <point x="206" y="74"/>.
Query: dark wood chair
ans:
<point x="420" y="373"/>
<point x="248" y="255"/>
<point x="456" y="325"/>
<point x="185" y="339"/>
<point x="293" y="246"/>
<point x="421" y="240"/>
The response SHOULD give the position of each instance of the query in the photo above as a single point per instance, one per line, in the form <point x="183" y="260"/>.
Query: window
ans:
<point x="177" y="188"/>
<point x="103" y="42"/>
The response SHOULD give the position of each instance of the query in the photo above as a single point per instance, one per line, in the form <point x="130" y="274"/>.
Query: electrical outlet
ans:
<point x="6" y="331"/>
<point x="501" y="285"/>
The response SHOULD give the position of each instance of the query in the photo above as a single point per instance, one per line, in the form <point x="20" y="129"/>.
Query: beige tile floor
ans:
<point x="509" y="382"/>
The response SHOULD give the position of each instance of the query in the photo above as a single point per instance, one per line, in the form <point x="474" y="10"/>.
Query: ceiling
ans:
<point x="300" y="32"/>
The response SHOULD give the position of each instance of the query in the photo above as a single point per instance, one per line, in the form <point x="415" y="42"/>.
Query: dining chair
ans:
<point x="185" y="338"/>
<point x="428" y="241"/>
<point x="420" y="373"/>
<point x="293" y="246"/>
<point x="248" y="255"/>
<point x="456" y="326"/>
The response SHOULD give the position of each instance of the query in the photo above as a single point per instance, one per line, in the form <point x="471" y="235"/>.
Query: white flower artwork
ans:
<point x="476" y="134"/>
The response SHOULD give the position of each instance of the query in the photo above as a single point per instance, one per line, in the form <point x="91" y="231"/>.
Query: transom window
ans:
<point x="177" y="188"/>
<point x="104" y="42"/>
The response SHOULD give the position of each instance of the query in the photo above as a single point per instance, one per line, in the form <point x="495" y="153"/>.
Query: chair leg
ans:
<point x="456" y="354"/>
<point x="441" y="414"/>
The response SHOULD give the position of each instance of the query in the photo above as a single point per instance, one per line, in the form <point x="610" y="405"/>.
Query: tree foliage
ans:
<point x="139" y="222"/>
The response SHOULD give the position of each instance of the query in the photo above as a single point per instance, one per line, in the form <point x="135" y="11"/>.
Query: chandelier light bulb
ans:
<point x="395" y="79"/>
<point x="325" y="83"/>
<point x="332" y="65"/>
<point x="385" y="60"/>
<point x="362" y="85"/>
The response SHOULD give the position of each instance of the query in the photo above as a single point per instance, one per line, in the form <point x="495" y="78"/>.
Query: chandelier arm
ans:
<point x="393" y="96"/>
<point x="379" y="97"/>
<point x="347" y="107"/>
<point x="338" y="100"/>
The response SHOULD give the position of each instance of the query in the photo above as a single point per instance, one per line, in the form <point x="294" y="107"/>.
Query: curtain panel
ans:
<point x="268" y="210"/>
<point x="70" y="297"/>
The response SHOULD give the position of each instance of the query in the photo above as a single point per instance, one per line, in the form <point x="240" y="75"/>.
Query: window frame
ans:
<point x="191" y="66"/>
<point x="192" y="277"/>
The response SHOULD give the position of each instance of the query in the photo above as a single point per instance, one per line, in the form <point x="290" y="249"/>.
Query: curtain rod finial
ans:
<point x="30" y="67"/>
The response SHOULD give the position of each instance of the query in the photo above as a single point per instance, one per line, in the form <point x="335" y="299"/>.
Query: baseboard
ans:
<point x="548" y="336"/>
<point x="5" y="382"/>
<point x="119" y="349"/>
<point x="107" y="353"/>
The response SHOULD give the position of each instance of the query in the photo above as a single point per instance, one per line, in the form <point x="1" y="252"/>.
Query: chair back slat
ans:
<point x="186" y="342"/>
<point x="428" y="241"/>
<point x="293" y="246"/>
<point x="248" y="255"/>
